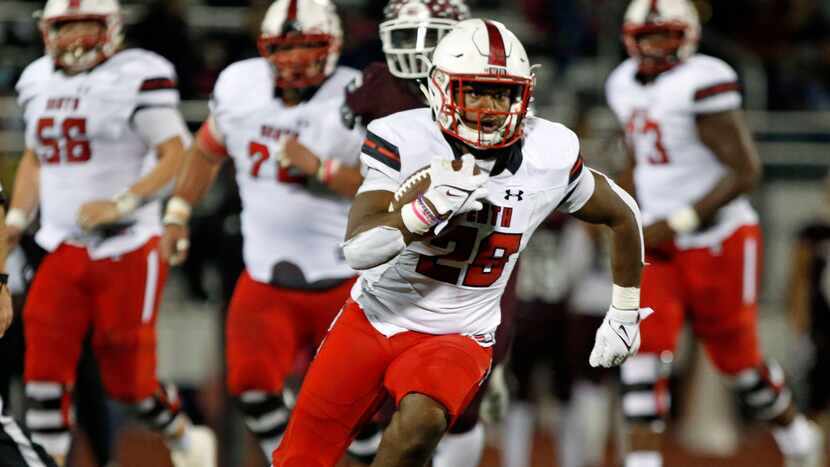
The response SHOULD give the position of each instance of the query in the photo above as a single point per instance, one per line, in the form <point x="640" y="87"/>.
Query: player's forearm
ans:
<point x="626" y="253"/>
<point x="197" y="173"/>
<point x="385" y="219"/>
<point x="26" y="194"/>
<point x="732" y="185"/>
<point x="374" y="235"/>
<point x="612" y="206"/>
<point x="344" y="182"/>
<point x="171" y="153"/>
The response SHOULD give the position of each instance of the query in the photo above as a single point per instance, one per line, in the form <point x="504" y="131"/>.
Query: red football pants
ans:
<point x="352" y="373"/>
<point x="117" y="298"/>
<point x="716" y="289"/>
<point x="267" y="326"/>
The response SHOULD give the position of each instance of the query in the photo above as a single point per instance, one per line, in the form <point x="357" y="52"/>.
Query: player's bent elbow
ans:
<point x="373" y="247"/>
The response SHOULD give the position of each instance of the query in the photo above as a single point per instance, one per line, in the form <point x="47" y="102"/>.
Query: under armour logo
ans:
<point x="509" y="193"/>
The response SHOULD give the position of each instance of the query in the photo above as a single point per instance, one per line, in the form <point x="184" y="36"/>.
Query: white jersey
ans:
<point x="286" y="216"/>
<point x="673" y="167"/>
<point x="81" y="129"/>
<point x="454" y="282"/>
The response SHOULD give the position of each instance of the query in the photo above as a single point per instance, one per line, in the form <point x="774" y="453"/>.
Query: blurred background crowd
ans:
<point x="781" y="50"/>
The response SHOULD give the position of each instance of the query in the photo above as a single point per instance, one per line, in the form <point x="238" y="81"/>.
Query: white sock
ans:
<point x="795" y="439"/>
<point x="269" y="446"/>
<point x="460" y="449"/>
<point x="644" y="459"/>
<point x="592" y="405"/>
<point x="518" y="435"/>
<point x="179" y="442"/>
<point x="570" y="436"/>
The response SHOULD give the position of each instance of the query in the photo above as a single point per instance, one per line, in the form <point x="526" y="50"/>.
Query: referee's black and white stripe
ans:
<point x="17" y="448"/>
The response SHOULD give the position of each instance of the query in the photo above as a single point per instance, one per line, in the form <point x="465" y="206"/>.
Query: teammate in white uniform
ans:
<point x="692" y="162"/>
<point x="421" y="319"/>
<point x="278" y="118"/>
<point x="97" y="117"/>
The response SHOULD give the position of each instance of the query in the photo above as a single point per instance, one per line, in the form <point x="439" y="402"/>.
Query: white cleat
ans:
<point x="200" y="450"/>
<point x="813" y="454"/>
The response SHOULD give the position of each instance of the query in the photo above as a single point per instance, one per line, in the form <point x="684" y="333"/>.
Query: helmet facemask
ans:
<point x="407" y="41"/>
<point x="301" y="60"/>
<point x="485" y="112"/>
<point x="76" y="52"/>
<point x="656" y="47"/>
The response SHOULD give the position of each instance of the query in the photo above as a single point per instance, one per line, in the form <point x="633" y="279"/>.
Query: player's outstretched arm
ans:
<point x="25" y="198"/>
<point x="618" y="337"/>
<point x="614" y="207"/>
<point x="198" y="171"/>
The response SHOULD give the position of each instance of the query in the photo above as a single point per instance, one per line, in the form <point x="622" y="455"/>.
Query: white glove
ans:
<point x="496" y="398"/>
<point x="618" y="337"/>
<point x="454" y="192"/>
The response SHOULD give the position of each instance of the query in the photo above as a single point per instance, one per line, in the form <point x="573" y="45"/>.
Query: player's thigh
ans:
<point x="723" y="286"/>
<point x="57" y="316"/>
<point x="124" y="334"/>
<point x="449" y="369"/>
<point x="262" y="335"/>
<point x="662" y="291"/>
<point x="342" y="389"/>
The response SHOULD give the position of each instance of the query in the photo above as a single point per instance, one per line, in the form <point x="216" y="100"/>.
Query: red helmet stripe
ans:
<point x="292" y="11"/>
<point x="74" y="4"/>
<point x="497" y="54"/>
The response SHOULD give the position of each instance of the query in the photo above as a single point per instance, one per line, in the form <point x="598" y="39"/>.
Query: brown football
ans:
<point x="418" y="183"/>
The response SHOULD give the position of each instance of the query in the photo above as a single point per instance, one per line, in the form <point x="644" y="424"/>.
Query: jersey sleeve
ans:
<point x="157" y="86"/>
<point x="380" y="158"/>
<point x="30" y="83"/>
<point x="716" y="88"/>
<point x="220" y="102"/>
<point x="580" y="180"/>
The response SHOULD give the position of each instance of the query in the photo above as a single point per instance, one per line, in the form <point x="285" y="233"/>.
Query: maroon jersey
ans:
<point x="378" y="95"/>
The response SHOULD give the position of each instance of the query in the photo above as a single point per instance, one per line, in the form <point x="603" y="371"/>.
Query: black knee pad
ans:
<point x="645" y="391"/>
<point x="49" y="415"/>
<point x="161" y="411"/>
<point x="365" y="445"/>
<point x="266" y="414"/>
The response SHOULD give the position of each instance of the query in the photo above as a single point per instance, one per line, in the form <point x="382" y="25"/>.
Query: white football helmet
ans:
<point x="677" y="17"/>
<point x="84" y="52"/>
<point x="485" y="52"/>
<point x="412" y="29"/>
<point x="312" y="26"/>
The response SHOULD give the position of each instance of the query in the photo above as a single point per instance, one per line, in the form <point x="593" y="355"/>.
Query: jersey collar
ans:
<point x="509" y="157"/>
